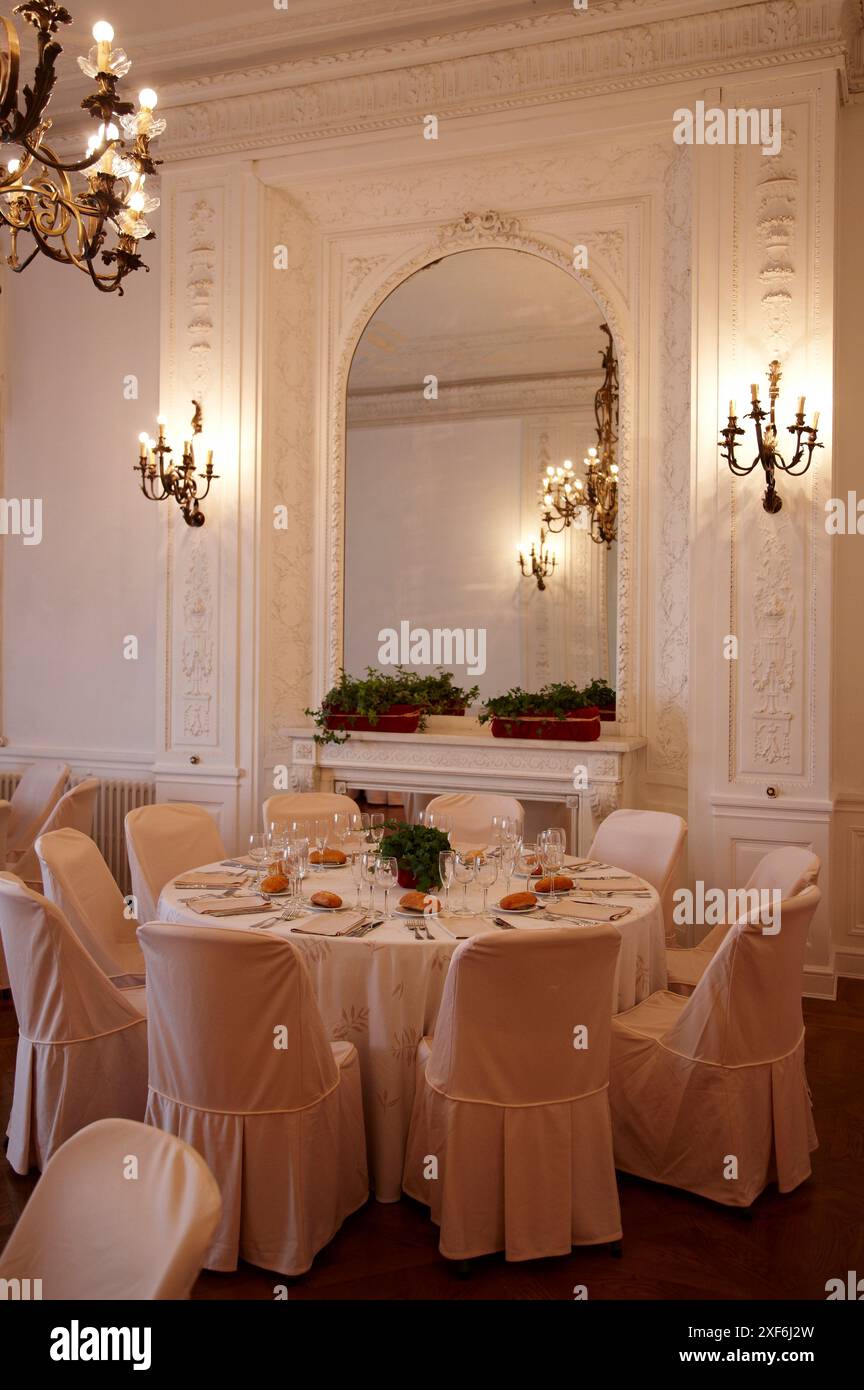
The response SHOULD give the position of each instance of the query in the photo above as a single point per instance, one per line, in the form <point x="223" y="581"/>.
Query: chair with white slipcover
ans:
<point x="511" y="1099"/>
<point x="163" y="841"/>
<point x="82" y="1043"/>
<point x="469" y="815"/>
<point x="287" y="806"/>
<point x="648" y="843"/>
<point x="95" y="1229"/>
<point x="709" y="1091"/>
<point x="79" y="881"/>
<point x="74" y="810"/>
<point x="786" y="870"/>
<point x="241" y="1069"/>
<point x="33" y="800"/>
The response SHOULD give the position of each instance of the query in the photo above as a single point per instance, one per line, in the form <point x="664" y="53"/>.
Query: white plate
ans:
<point x="326" y="868"/>
<point x="286" y="893"/>
<point x="317" y="907"/>
<point x="501" y="908"/>
<point x="413" y="913"/>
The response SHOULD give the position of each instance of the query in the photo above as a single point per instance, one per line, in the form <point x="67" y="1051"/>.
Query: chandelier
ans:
<point x="540" y="561"/>
<point x="593" y="501"/>
<point x="102" y="222"/>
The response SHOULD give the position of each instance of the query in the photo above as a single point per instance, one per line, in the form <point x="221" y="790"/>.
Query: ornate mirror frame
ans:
<point x="474" y="231"/>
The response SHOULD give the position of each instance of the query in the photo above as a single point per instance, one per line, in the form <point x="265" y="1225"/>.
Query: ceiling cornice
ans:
<point x="524" y="62"/>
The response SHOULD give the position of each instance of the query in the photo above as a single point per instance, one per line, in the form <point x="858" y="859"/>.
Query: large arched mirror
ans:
<point x="473" y="378"/>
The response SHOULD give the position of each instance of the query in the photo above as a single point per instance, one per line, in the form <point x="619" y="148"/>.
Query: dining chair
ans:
<point x="288" y="806"/>
<point x="82" y="1043"/>
<point x="510" y="1144"/>
<point x="163" y="841"/>
<point x="709" y="1091"/>
<point x="122" y="1212"/>
<point x="242" y="1069"/>
<point x="470" y="815"/>
<point x="648" y="843"/>
<point x="787" y="870"/>
<point x="79" y="882"/>
<point x="75" y="809"/>
<point x="33" y="800"/>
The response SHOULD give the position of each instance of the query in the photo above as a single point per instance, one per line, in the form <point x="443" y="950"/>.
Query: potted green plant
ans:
<point x="378" y="702"/>
<point x="415" y="848"/>
<point x="436" y="693"/>
<point x="560" y="710"/>
<point x="601" y="694"/>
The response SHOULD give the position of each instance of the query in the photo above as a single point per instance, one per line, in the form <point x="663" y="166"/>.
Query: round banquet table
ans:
<point x="381" y="992"/>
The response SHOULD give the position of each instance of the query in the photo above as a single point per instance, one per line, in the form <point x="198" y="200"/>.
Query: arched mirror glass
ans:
<point x="473" y="378"/>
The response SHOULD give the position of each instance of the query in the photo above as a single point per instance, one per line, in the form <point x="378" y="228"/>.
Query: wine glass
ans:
<point x="376" y="826"/>
<point x="259" y="853"/>
<point x="446" y="860"/>
<point x="354" y="835"/>
<point x="321" y="835"/>
<point x="357" y="875"/>
<point x="509" y="858"/>
<point x="552" y="858"/>
<point x="291" y="864"/>
<point x="487" y="873"/>
<point x="464" y="871"/>
<point x="367" y="868"/>
<point x="387" y="875"/>
<point x="300" y="850"/>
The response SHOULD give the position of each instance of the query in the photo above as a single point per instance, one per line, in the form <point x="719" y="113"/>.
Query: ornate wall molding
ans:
<point x="508" y="396"/>
<point x="542" y="59"/>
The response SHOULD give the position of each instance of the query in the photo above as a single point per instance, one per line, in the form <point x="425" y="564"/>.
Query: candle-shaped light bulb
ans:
<point x="142" y="449"/>
<point x="592" y="453"/>
<point x="13" y="166"/>
<point x="209" y="460"/>
<point x="136" y="201"/>
<point x="568" y="464"/>
<point x="104" y="36"/>
<point x="754" y="391"/>
<point x="801" y="400"/>
<point x="614" y="470"/>
<point x="816" y="421"/>
<point x="147" y="99"/>
<point x="732" y="411"/>
<point x="579" y="484"/>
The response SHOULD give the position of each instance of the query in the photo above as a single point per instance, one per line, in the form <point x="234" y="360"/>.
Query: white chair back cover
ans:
<point x="90" y="1231"/>
<point x="5" y="817"/>
<point x="75" y="809"/>
<point x="648" y="843"/>
<point x="720" y="1075"/>
<point x="241" y="1068"/>
<point x="788" y="869"/>
<point x="470" y="815"/>
<point x="79" y="882"/>
<point x="513" y="1100"/>
<point x="82" y="1045"/>
<point x="32" y="802"/>
<point x="287" y="806"/>
<point x="163" y="841"/>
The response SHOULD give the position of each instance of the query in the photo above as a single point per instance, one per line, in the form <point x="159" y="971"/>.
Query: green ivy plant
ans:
<point x="372" y="695"/>
<point x="601" y="694"/>
<point x="554" y="701"/>
<point x="416" y="849"/>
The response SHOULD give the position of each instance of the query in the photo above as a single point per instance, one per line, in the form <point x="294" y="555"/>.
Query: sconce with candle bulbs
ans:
<point x="540" y="561"/>
<point x="766" y="439"/>
<point x="177" y="482"/>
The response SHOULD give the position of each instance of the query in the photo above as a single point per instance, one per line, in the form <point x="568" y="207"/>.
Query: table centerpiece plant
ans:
<point x="415" y="848"/>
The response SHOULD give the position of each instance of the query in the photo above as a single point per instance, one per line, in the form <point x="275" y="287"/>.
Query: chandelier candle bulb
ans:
<point x="732" y="415"/>
<point x="104" y="36"/>
<point x="754" y="392"/>
<point x="815" y="425"/>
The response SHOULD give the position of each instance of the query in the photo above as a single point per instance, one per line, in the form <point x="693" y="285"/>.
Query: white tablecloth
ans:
<point x="382" y="991"/>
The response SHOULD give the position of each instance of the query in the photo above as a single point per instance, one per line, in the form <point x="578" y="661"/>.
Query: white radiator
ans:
<point x="112" y="803"/>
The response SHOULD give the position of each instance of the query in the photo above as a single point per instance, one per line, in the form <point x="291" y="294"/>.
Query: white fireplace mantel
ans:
<point x="456" y="754"/>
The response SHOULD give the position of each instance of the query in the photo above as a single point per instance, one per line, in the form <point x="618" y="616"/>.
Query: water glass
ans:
<point x="487" y="873"/>
<point x="259" y="853"/>
<point x="464" y="872"/>
<point x="446" y="860"/>
<point x="387" y="875"/>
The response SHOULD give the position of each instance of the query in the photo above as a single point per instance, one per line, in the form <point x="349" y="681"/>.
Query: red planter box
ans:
<point x="398" y="719"/>
<point x="608" y="716"/>
<point x="406" y="879"/>
<point x="579" y="726"/>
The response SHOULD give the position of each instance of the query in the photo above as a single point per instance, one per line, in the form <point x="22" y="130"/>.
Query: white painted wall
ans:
<point x="70" y="439"/>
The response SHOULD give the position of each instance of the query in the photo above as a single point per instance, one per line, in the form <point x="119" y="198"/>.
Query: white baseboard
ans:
<point x="849" y="964"/>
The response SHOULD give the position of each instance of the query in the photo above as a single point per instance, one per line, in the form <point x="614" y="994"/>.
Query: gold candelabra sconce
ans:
<point x="593" y="501"/>
<point x="766" y="439"/>
<point x="540" y="562"/>
<point x="161" y="480"/>
<point x="98" y="223"/>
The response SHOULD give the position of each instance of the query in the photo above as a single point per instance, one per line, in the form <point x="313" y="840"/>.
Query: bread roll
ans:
<point x="419" y="902"/>
<point x="326" y="900"/>
<point x="330" y="856"/>
<point x="558" y="884"/>
<point x="514" y="901"/>
<point x="274" y="883"/>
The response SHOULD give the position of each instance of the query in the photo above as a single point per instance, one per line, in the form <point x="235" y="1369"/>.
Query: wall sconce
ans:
<point x="766" y="440"/>
<point x="175" y="482"/>
<point x="542" y="564"/>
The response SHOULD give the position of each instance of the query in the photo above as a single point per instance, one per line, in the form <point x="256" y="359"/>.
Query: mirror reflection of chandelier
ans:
<point x="567" y="499"/>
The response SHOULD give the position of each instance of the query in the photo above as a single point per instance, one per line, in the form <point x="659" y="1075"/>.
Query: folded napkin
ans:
<point x="330" y="924"/>
<point x="627" y="883"/>
<point x="586" y="911"/>
<point x="214" y="878"/>
<point x="460" y="928"/>
<point x="229" y="907"/>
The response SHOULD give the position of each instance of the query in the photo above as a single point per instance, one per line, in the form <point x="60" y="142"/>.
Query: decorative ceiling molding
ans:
<point x="547" y="58"/>
<point x="470" y="399"/>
